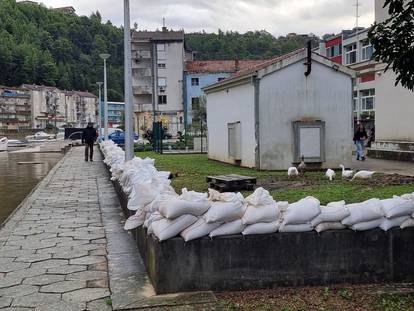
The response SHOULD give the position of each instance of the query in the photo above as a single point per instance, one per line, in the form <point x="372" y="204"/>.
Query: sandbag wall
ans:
<point x="255" y="242"/>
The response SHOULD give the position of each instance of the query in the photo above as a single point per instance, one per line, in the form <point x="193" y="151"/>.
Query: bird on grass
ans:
<point x="346" y="173"/>
<point x="293" y="171"/>
<point x="302" y="166"/>
<point x="330" y="174"/>
<point x="363" y="175"/>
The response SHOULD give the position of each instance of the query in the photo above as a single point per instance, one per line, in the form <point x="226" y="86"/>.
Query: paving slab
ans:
<point x="63" y="287"/>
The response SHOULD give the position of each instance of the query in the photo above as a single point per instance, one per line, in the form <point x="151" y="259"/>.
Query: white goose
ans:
<point x="330" y="174"/>
<point x="293" y="171"/>
<point x="346" y="173"/>
<point x="363" y="175"/>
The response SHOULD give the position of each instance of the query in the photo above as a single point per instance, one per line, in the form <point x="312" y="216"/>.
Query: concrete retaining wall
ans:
<point x="282" y="259"/>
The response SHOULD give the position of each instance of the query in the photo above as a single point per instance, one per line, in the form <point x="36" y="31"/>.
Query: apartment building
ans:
<point x="157" y="79"/>
<point x="15" y="109"/>
<point x="116" y="113"/>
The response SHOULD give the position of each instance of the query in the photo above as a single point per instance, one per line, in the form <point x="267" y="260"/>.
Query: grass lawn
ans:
<point x="193" y="169"/>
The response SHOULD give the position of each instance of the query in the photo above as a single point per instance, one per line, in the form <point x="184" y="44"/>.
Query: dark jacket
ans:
<point x="89" y="135"/>
<point x="360" y="135"/>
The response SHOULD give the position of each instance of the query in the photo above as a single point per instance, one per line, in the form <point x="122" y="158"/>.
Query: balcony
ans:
<point x="142" y="90"/>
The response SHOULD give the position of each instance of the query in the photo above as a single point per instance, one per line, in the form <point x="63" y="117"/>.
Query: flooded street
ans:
<point x="17" y="180"/>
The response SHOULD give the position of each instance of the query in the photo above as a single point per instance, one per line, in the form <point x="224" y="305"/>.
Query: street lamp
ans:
<point x="105" y="57"/>
<point x="100" y="107"/>
<point x="129" y="128"/>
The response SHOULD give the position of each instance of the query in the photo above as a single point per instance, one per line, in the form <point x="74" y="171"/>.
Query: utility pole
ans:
<point x="129" y="126"/>
<point x="358" y="104"/>
<point x="105" y="57"/>
<point x="100" y="107"/>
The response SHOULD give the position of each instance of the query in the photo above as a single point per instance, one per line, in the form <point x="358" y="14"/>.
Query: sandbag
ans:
<point x="176" y="207"/>
<point x="135" y="220"/>
<point x="231" y="208"/>
<point x="333" y="212"/>
<point x="260" y="197"/>
<point x="199" y="229"/>
<point x="229" y="228"/>
<point x="216" y="196"/>
<point x="397" y="207"/>
<point x="408" y="196"/>
<point x="150" y="218"/>
<point x="165" y="229"/>
<point x="296" y="228"/>
<point x="154" y="206"/>
<point x="367" y="225"/>
<point x="302" y="211"/>
<point x="261" y="213"/>
<point x="193" y="196"/>
<point x="141" y="195"/>
<point x="262" y="228"/>
<point x="389" y="223"/>
<point x="408" y="223"/>
<point x="282" y="206"/>
<point x="323" y="226"/>
<point x="363" y="212"/>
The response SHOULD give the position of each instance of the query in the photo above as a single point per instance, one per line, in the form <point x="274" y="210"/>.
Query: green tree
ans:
<point x="393" y="41"/>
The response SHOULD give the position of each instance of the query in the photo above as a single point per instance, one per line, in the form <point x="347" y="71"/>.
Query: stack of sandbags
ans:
<point x="299" y="215"/>
<point x="178" y="214"/>
<point x="262" y="213"/>
<point x="330" y="217"/>
<point x="226" y="209"/>
<point x="410" y="222"/>
<point x="397" y="211"/>
<point x="364" y="216"/>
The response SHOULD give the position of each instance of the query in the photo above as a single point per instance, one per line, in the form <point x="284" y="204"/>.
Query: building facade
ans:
<point x="116" y="114"/>
<point x="272" y="115"/>
<point x="157" y="79"/>
<point x="15" y="109"/>
<point x="200" y="74"/>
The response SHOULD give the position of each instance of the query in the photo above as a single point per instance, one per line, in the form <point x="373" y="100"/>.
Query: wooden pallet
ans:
<point x="232" y="182"/>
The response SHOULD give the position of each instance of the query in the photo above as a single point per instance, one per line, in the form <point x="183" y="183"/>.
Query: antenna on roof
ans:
<point x="163" y="25"/>
<point x="357" y="16"/>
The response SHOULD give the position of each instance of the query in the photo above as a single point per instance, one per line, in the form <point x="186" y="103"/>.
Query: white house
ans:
<point x="268" y="117"/>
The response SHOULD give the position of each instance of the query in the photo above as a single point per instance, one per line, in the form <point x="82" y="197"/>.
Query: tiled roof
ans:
<point x="168" y="35"/>
<point x="229" y="66"/>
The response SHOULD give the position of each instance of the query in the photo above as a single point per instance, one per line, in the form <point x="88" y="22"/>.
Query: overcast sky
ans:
<point x="276" y="16"/>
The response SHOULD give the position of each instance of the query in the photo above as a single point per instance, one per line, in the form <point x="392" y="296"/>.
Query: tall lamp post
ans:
<point x="99" y="107"/>
<point x="129" y="128"/>
<point x="105" y="57"/>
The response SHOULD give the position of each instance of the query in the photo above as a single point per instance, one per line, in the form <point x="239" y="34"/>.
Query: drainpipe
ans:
<point x="185" y="106"/>
<point x="309" y="59"/>
<point x="256" y="85"/>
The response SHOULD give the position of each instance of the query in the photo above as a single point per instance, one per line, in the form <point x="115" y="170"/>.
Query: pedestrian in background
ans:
<point x="89" y="137"/>
<point x="359" y="139"/>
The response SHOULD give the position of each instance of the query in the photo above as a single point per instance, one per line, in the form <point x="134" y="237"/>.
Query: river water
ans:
<point x="17" y="180"/>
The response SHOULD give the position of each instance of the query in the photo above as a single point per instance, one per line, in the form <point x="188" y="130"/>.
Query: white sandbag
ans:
<point x="225" y="211"/>
<point x="408" y="196"/>
<point x="261" y="213"/>
<point x="141" y="195"/>
<point x="229" y="228"/>
<point x="162" y="197"/>
<point x="397" y="207"/>
<point x="135" y="220"/>
<point x="260" y="197"/>
<point x="333" y="212"/>
<point x="407" y="224"/>
<point x="214" y="195"/>
<point x="193" y="196"/>
<point x="199" y="229"/>
<point x="165" y="229"/>
<point x="176" y="207"/>
<point x="302" y="211"/>
<point x="367" y="225"/>
<point x="262" y="228"/>
<point x="389" y="223"/>
<point x="282" y="206"/>
<point x="150" y="218"/>
<point x="296" y="228"/>
<point x="323" y="226"/>
<point x="363" y="212"/>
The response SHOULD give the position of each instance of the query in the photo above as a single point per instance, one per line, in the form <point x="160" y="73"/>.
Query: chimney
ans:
<point x="164" y="29"/>
<point x="236" y="65"/>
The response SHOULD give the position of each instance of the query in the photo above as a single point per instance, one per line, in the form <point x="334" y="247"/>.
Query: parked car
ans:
<point x="118" y="137"/>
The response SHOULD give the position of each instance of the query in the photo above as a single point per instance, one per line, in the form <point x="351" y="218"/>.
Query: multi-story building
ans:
<point x="82" y="107"/>
<point x="157" y="78"/>
<point x="199" y="74"/>
<point x="15" y="109"/>
<point x="116" y="113"/>
<point x="353" y="49"/>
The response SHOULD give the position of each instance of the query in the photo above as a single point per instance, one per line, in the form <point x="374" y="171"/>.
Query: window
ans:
<point x="333" y="51"/>
<point x="351" y="54"/>
<point x="367" y="99"/>
<point x="221" y="79"/>
<point x="194" y="81"/>
<point x="162" y="99"/>
<point x="161" y="65"/>
<point x="355" y="100"/>
<point x="162" y="82"/>
<point x="161" y="47"/>
<point x="195" y="103"/>
<point x="367" y="50"/>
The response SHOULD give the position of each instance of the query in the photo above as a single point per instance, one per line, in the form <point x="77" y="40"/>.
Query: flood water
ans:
<point x="18" y="180"/>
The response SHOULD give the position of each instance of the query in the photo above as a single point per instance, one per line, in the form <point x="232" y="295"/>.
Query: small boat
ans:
<point x="16" y="143"/>
<point x="3" y="144"/>
<point x="39" y="137"/>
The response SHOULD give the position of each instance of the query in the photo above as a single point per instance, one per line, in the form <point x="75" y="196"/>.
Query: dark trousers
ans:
<point x="88" y="150"/>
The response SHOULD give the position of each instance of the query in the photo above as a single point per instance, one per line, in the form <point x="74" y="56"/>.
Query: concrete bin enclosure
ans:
<point x="281" y="259"/>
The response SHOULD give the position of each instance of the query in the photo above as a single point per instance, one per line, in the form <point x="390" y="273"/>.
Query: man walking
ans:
<point x="89" y="137"/>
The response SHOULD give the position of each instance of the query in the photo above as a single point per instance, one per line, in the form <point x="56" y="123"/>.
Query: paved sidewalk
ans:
<point x="384" y="166"/>
<point x="53" y="248"/>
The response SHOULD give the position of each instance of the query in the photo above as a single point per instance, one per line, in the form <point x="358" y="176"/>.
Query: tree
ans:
<point x="393" y="41"/>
